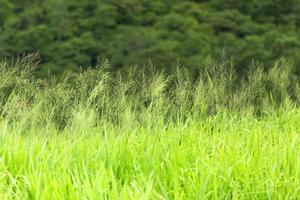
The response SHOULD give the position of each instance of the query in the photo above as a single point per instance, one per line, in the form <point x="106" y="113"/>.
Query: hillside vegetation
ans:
<point x="102" y="134"/>
<point x="71" y="34"/>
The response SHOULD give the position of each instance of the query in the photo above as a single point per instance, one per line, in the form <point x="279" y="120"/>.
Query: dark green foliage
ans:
<point x="72" y="33"/>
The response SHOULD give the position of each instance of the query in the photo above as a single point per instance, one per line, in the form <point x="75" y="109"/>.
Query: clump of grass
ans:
<point x="142" y="134"/>
<point x="126" y="98"/>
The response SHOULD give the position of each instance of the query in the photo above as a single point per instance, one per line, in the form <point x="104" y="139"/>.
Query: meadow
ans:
<point x="143" y="134"/>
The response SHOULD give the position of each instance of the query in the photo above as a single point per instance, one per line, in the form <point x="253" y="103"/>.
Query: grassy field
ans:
<point x="145" y="135"/>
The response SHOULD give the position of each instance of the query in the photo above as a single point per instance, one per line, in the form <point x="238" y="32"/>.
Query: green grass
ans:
<point x="221" y="157"/>
<point x="146" y="135"/>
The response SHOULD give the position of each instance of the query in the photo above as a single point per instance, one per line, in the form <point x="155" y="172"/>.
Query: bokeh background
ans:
<point x="75" y="34"/>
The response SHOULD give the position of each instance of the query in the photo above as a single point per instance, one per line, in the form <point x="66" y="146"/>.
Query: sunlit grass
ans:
<point x="146" y="135"/>
<point x="222" y="157"/>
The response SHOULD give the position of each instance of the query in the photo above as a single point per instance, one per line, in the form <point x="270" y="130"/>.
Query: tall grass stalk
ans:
<point x="142" y="134"/>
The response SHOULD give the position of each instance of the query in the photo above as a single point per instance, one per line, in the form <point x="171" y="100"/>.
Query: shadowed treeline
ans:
<point x="71" y="34"/>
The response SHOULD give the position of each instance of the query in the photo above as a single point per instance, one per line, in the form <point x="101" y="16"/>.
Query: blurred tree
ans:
<point x="6" y="10"/>
<point x="73" y="33"/>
